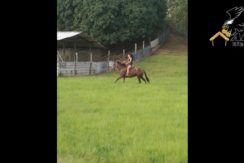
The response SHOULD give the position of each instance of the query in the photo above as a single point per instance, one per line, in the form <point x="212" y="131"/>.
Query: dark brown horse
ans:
<point x="134" y="71"/>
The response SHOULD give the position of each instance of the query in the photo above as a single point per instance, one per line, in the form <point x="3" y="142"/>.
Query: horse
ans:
<point x="134" y="71"/>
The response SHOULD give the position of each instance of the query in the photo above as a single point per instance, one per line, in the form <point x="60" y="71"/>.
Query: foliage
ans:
<point x="68" y="16"/>
<point x="177" y="15"/>
<point x="112" y="21"/>
<point x="99" y="121"/>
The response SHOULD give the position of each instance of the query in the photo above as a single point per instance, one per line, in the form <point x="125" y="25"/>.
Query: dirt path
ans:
<point x="175" y="43"/>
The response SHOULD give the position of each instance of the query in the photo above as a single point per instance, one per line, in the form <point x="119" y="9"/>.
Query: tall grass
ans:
<point x="99" y="121"/>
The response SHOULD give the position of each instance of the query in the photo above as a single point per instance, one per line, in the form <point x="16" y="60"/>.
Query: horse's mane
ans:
<point x="120" y="63"/>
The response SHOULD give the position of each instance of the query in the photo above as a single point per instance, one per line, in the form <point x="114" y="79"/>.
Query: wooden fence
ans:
<point x="142" y="53"/>
<point x="91" y="67"/>
<point x="82" y="68"/>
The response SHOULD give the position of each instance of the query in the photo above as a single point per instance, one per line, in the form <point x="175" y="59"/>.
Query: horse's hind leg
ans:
<point x="139" y="79"/>
<point x="143" y="79"/>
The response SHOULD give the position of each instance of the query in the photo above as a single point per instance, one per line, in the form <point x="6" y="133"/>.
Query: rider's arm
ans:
<point x="130" y="59"/>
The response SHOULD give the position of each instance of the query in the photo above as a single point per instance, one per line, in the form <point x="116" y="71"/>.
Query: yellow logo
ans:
<point x="233" y="28"/>
<point x="225" y="34"/>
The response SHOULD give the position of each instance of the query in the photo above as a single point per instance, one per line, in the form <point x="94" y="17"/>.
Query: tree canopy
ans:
<point x="177" y="16"/>
<point x="112" y="21"/>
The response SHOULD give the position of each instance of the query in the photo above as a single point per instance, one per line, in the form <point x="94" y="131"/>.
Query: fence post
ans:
<point x="77" y="62"/>
<point x="57" y="65"/>
<point x="108" y="58"/>
<point x="135" y="49"/>
<point x="123" y="53"/>
<point x="90" y="69"/>
<point x="150" y="45"/>
<point x="75" y="69"/>
<point x="143" y="46"/>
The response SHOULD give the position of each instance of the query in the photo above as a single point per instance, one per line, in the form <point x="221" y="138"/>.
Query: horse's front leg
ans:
<point x="118" y="79"/>
<point x="139" y="79"/>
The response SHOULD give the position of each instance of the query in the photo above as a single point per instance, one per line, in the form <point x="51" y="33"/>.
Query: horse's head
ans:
<point x="118" y="65"/>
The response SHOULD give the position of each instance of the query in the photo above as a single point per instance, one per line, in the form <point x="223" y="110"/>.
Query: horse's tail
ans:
<point x="146" y="76"/>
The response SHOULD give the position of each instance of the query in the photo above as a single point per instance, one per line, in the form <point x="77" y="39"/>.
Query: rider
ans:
<point x="129" y="63"/>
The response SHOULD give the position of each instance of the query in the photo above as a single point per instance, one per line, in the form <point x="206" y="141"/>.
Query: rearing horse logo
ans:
<point x="233" y="28"/>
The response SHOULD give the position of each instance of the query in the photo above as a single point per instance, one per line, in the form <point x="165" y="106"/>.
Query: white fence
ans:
<point x="142" y="53"/>
<point x="81" y="68"/>
<point x="91" y="67"/>
<point x="154" y="43"/>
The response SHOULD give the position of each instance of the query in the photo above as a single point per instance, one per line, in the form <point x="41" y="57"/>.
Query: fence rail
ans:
<point x="91" y="67"/>
<point x="82" y="68"/>
<point x="142" y="53"/>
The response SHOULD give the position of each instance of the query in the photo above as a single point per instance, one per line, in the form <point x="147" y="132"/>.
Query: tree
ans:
<point x="112" y="21"/>
<point x="68" y="14"/>
<point x="177" y="15"/>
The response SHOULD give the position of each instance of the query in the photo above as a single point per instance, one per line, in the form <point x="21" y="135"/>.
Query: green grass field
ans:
<point x="99" y="121"/>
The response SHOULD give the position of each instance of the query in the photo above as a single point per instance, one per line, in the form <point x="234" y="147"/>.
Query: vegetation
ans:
<point x="99" y="121"/>
<point x="112" y="21"/>
<point x="177" y="16"/>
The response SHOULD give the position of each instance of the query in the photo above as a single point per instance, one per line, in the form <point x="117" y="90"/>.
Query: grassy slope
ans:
<point x="99" y="121"/>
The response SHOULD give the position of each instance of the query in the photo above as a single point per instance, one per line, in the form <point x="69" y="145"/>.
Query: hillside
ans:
<point x="175" y="43"/>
